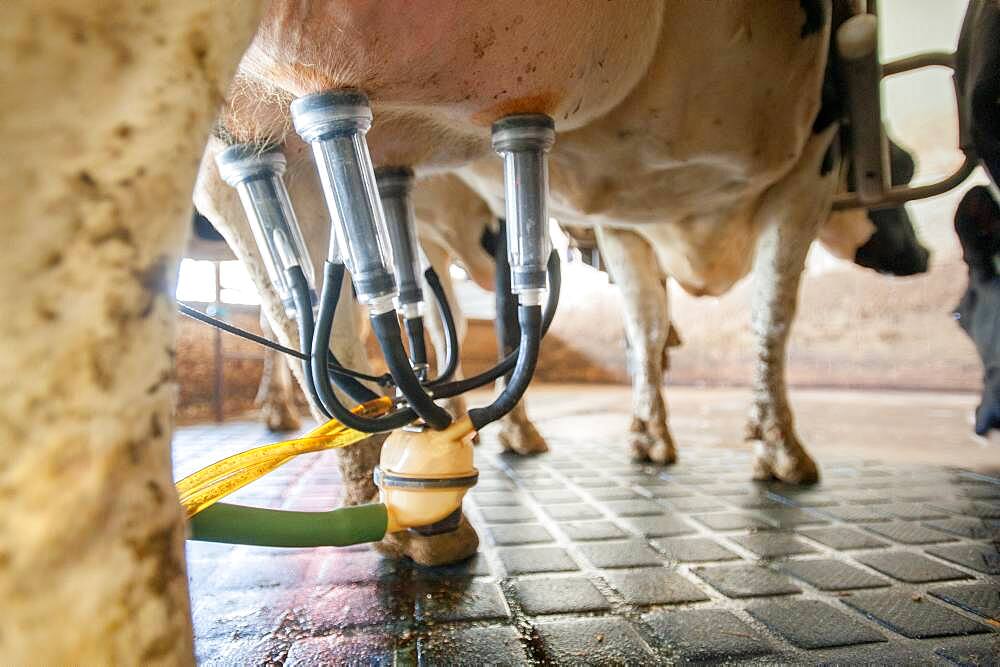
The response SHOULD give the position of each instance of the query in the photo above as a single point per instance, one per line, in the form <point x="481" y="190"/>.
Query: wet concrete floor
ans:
<point x="587" y="558"/>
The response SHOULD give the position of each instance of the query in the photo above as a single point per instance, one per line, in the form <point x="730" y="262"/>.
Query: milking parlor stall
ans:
<point x="507" y="333"/>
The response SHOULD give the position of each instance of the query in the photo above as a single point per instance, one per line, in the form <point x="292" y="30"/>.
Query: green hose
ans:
<point x="238" y="524"/>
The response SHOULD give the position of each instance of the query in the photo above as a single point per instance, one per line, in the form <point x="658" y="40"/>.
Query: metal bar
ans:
<point x="901" y="195"/>
<point x="857" y="48"/>
<point x="918" y="61"/>
<point x="217" y="360"/>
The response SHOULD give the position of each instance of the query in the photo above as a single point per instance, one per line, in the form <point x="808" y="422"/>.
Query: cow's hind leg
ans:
<point x="793" y="210"/>
<point x="634" y="267"/>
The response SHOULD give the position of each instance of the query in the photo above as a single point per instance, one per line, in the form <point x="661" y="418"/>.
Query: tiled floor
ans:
<point x="589" y="559"/>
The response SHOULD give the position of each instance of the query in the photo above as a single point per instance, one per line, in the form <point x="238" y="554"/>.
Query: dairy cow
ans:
<point x="977" y="219"/>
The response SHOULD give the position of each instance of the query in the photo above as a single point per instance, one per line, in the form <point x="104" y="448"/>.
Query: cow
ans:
<point x="658" y="113"/>
<point x="977" y="223"/>
<point x="977" y="218"/>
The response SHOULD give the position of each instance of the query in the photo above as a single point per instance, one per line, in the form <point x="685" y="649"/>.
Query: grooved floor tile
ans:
<point x="791" y="517"/>
<point x="460" y="601"/>
<point x="615" y="493"/>
<point x="909" y="533"/>
<point x="619" y="554"/>
<point x="559" y="595"/>
<point x="706" y="636"/>
<point x="910" y="567"/>
<point x="745" y="580"/>
<point x="841" y="537"/>
<point x="832" y="575"/>
<point x="511" y="534"/>
<point x="556" y="497"/>
<point x="855" y="513"/>
<point x="694" y="550"/>
<point x="476" y="566"/>
<point x="507" y="514"/>
<point x="639" y="507"/>
<point x="970" y="509"/>
<point x="592" y="530"/>
<point x="693" y="504"/>
<point x="812" y="624"/>
<point x="659" y="526"/>
<point x="978" y="651"/>
<point x="982" y="599"/>
<point x="977" y="529"/>
<point x="654" y="585"/>
<point x="594" y="641"/>
<point x="370" y="649"/>
<point x="666" y="490"/>
<point x="525" y="560"/>
<point x="772" y="544"/>
<point x="574" y="512"/>
<point x="448" y="645"/>
<point x="911" y="511"/>
<point x="979" y="557"/>
<point x="912" y="616"/>
<point x="495" y="499"/>
<point x="732" y="521"/>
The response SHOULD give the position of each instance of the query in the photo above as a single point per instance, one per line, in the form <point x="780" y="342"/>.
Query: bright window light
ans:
<point x="236" y="284"/>
<point x="196" y="281"/>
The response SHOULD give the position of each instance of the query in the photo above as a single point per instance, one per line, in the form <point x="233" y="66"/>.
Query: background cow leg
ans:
<point x="105" y="106"/>
<point x="634" y="266"/>
<point x="276" y="395"/>
<point x="793" y="210"/>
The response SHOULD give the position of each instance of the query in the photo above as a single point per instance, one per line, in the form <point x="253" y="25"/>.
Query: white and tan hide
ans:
<point x="105" y="108"/>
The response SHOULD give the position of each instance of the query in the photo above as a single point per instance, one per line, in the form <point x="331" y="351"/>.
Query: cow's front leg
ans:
<point x="635" y="269"/>
<point x="276" y="395"/>
<point x="793" y="210"/>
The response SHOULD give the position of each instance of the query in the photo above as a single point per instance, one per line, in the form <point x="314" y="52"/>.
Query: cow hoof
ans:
<point x="647" y="448"/>
<point x="522" y="438"/>
<point x="776" y="463"/>
<point x="281" y="419"/>
<point x="432" y="550"/>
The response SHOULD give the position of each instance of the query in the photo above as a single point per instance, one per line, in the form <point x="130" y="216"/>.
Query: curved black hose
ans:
<point x="510" y="361"/>
<point x="334" y="368"/>
<point x="448" y="320"/>
<point x="386" y="329"/>
<point x="300" y="295"/>
<point x="321" y="349"/>
<point x="415" y="337"/>
<point x="530" y="319"/>
<point x="333" y="276"/>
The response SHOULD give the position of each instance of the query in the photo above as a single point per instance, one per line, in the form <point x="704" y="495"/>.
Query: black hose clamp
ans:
<point x="389" y="480"/>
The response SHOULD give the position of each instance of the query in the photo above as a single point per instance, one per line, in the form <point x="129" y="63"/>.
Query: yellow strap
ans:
<point x="214" y="482"/>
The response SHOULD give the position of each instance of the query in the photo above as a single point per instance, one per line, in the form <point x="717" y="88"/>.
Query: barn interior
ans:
<point x="582" y="551"/>
<point x="586" y="555"/>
